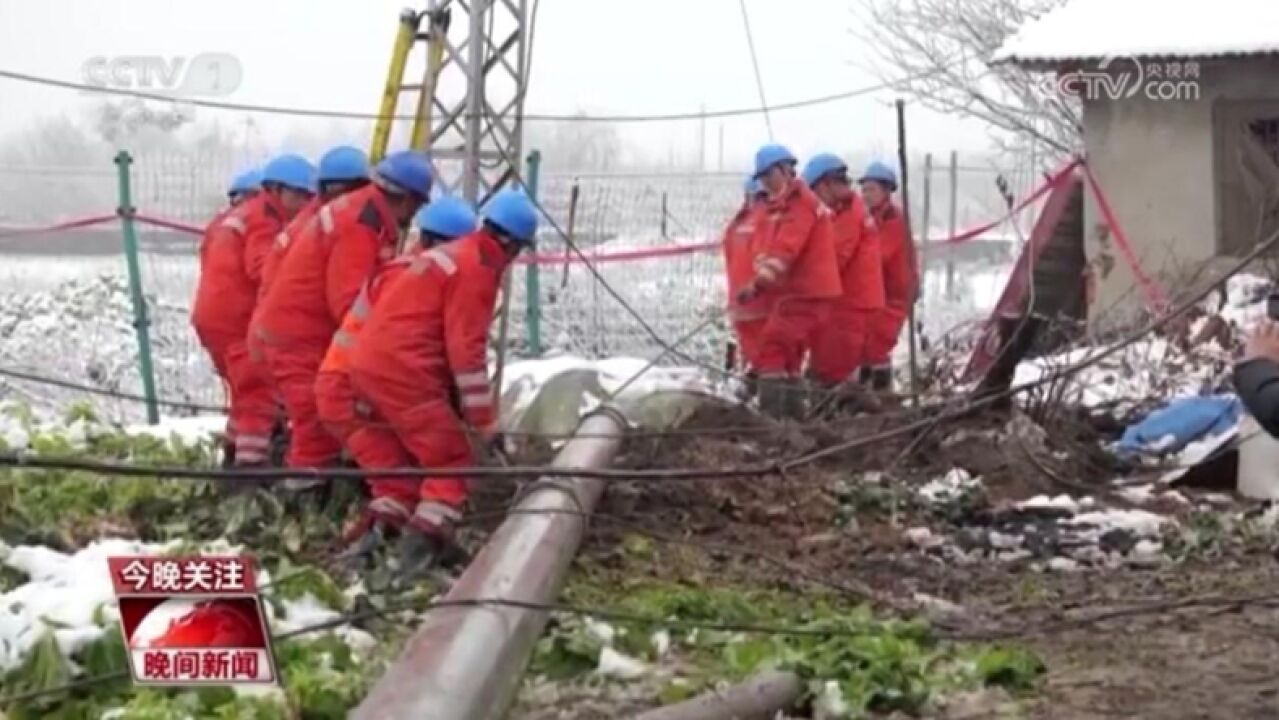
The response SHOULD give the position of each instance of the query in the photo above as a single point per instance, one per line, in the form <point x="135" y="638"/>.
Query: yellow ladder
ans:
<point x="410" y="33"/>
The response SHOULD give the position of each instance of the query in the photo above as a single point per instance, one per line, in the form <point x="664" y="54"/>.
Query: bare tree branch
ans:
<point x="942" y="50"/>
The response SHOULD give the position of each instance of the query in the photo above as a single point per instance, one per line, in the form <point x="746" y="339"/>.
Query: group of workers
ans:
<point x="317" y="321"/>
<point x="820" y="278"/>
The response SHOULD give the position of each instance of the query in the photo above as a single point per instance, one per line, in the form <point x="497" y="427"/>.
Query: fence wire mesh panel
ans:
<point x="188" y="189"/>
<point x="634" y="229"/>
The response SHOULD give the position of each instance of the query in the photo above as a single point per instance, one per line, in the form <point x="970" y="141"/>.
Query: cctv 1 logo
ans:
<point x="207" y="74"/>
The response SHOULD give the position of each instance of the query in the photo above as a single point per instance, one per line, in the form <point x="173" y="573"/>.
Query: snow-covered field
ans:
<point x="71" y="318"/>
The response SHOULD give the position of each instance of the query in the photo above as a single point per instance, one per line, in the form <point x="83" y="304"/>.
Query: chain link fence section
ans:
<point x="187" y="188"/>
<point x="675" y="291"/>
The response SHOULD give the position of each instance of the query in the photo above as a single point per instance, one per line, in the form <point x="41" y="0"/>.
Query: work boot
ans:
<point x="772" y="397"/>
<point x="307" y="496"/>
<point x="228" y="455"/>
<point x="427" y="542"/>
<point x="881" y="378"/>
<point x="358" y="555"/>
<point x="795" y="399"/>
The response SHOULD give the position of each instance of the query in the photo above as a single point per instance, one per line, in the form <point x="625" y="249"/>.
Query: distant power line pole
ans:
<point x="701" y="140"/>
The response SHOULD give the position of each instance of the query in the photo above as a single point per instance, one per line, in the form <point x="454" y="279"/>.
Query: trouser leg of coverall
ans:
<point x="885" y="331"/>
<point x="781" y="354"/>
<point x="252" y="407"/>
<point x="310" y="444"/>
<point x="838" y="346"/>
<point x="375" y="446"/>
<point x="335" y="404"/>
<point x="748" y="339"/>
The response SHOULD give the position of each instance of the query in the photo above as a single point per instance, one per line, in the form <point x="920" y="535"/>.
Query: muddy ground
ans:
<point x="1190" y="634"/>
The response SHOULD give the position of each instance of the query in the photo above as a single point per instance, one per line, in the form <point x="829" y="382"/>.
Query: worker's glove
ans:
<point x="748" y="293"/>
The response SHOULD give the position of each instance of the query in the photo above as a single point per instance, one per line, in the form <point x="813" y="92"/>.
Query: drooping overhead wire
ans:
<point x="351" y="115"/>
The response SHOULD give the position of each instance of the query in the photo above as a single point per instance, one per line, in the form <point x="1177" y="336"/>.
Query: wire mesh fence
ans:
<point x="649" y="238"/>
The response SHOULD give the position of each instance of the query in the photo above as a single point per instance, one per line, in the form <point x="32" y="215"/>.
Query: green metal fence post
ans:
<point x="141" y="323"/>
<point x="532" y="273"/>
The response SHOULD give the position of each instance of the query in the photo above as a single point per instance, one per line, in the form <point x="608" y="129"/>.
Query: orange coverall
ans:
<point x="334" y="398"/>
<point x="840" y="345"/>
<point x="901" y="283"/>
<point x="231" y="258"/>
<point x="739" y="265"/>
<point x="795" y="267"/>
<point x="318" y="279"/>
<point x="420" y="362"/>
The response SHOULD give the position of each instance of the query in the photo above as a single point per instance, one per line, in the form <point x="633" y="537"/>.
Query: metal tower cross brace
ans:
<point x="477" y="127"/>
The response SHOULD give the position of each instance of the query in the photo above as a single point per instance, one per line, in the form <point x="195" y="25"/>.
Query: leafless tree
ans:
<point x="939" y="51"/>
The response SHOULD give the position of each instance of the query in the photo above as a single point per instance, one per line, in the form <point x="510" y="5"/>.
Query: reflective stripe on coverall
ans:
<point x="900" y="283"/>
<point x="320" y="276"/>
<point x="335" y="400"/>
<point x="795" y="266"/>
<point x="231" y="256"/>
<point x="839" y="347"/>
<point x="421" y="363"/>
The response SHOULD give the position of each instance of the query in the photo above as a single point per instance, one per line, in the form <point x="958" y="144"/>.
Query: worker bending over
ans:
<point x="231" y="258"/>
<point x="319" y="277"/>
<point x="901" y="279"/>
<point x="839" y="347"/>
<point x="444" y="220"/>
<point x="739" y="265"/>
<point x="795" y="272"/>
<point x="342" y="170"/>
<point x="420" y="363"/>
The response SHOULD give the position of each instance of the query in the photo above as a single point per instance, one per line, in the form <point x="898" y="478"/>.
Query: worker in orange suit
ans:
<point x="444" y="220"/>
<point x="839" y="348"/>
<point x="795" y="272"/>
<point x="901" y="277"/>
<point x="231" y="256"/>
<point x="342" y="170"/>
<point x="421" y="364"/>
<point x="317" y="282"/>
<point x="739" y="266"/>
<point x="244" y="186"/>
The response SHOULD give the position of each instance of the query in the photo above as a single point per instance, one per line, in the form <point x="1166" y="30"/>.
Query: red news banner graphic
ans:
<point x="192" y="620"/>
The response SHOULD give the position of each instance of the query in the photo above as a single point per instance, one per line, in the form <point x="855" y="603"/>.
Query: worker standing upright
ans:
<point x="421" y="364"/>
<point x="739" y="266"/>
<point x="839" y="347"/>
<point x="795" y="271"/>
<point x="231" y="258"/>
<point x="443" y="220"/>
<point x="318" y="279"/>
<point x="901" y="277"/>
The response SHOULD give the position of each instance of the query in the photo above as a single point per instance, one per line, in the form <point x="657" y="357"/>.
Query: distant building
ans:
<point x="1181" y="128"/>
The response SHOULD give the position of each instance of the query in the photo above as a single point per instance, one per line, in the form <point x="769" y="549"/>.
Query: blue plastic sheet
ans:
<point x="1180" y="423"/>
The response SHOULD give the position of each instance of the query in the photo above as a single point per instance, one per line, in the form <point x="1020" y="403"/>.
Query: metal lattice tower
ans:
<point x="477" y="83"/>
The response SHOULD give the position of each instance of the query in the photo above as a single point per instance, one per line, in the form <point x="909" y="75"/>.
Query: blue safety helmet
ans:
<point x="247" y="181"/>
<point x="447" y="216"/>
<point x="291" y="171"/>
<point x="408" y="170"/>
<point x="881" y="173"/>
<point x="820" y="165"/>
<point x="343" y="163"/>
<point x="514" y="214"/>
<point x="770" y="155"/>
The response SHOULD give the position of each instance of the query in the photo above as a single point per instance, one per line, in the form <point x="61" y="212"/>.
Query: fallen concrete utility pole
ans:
<point x="466" y="663"/>
<point x="758" y="698"/>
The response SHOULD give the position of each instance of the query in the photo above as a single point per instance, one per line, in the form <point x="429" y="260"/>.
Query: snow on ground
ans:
<point x="65" y="594"/>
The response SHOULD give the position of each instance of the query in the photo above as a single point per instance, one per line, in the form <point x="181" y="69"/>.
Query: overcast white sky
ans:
<point x="597" y="56"/>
